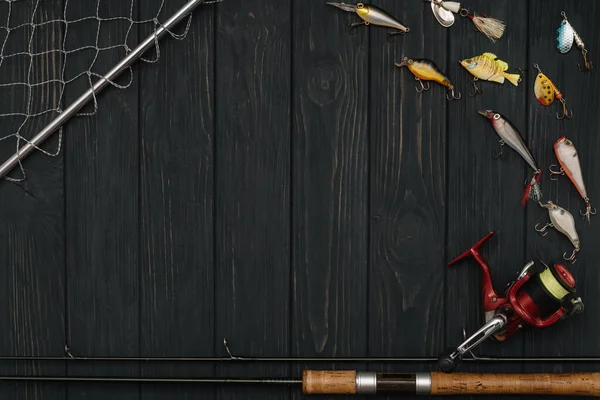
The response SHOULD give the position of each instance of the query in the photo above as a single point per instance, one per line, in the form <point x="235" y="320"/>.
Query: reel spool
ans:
<point x="535" y="298"/>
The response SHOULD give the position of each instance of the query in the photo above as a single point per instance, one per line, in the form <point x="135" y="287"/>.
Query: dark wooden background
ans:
<point x="277" y="181"/>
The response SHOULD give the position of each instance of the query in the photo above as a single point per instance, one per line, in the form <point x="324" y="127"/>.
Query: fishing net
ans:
<point x="50" y="52"/>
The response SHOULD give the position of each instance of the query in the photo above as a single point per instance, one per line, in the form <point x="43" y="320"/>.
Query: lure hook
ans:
<point x="423" y="87"/>
<point x="572" y="257"/>
<point x="565" y="113"/>
<point x="588" y="210"/>
<point x="543" y="229"/>
<point x="501" y="142"/>
<point x="390" y="35"/>
<point x="477" y="88"/>
<point x="554" y="171"/>
<point x="451" y="95"/>
<point x="353" y="25"/>
<point x="587" y="64"/>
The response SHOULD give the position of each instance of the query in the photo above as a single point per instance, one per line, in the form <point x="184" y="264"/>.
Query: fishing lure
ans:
<point x="511" y="137"/>
<point x="546" y="91"/>
<point x="568" y="158"/>
<point x="444" y="13"/>
<point x="488" y="67"/>
<point x="426" y="70"/>
<point x="562" y="221"/>
<point x="565" y="35"/>
<point x="371" y="15"/>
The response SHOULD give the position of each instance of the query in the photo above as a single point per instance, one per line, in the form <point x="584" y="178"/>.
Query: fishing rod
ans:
<point x="231" y="358"/>
<point x="364" y="383"/>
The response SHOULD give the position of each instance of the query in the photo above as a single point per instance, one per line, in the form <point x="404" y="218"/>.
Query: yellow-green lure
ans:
<point x="488" y="67"/>
<point x="426" y="70"/>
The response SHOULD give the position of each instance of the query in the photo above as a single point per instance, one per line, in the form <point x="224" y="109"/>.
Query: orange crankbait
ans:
<point x="426" y="70"/>
<point x="546" y="91"/>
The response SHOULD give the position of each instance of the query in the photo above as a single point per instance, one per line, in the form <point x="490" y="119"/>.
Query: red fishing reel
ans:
<point x="538" y="297"/>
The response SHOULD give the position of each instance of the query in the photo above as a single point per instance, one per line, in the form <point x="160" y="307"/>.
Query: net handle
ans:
<point x="101" y="84"/>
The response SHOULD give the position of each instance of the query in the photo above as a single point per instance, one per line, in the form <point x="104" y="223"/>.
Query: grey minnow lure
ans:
<point x="371" y="15"/>
<point x="565" y="36"/>
<point x="562" y="221"/>
<point x="511" y="137"/>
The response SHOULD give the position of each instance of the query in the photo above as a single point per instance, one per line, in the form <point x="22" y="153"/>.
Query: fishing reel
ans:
<point x="538" y="297"/>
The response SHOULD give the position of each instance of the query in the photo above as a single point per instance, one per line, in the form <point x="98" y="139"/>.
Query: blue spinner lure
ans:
<point x="565" y="37"/>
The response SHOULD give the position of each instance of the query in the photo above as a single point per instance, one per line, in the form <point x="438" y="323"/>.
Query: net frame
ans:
<point x="25" y="146"/>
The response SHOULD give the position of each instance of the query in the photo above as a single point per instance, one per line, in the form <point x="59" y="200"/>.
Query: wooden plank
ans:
<point x="102" y="212"/>
<point x="407" y="209"/>
<point x="252" y="198"/>
<point x="176" y="125"/>
<point x="330" y="184"/>
<point x="32" y="229"/>
<point x="578" y="335"/>
<point x="484" y="194"/>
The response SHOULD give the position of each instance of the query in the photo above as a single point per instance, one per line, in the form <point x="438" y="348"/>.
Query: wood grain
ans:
<point x="177" y="263"/>
<point x="577" y="335"/>
<point x="582" y="384"/>
<point x="407" y="187"/>
<point x="484" y="194"/>
<point x="330" y="184"/>
<point x="252" y="197"/>
<point x="32" y="232"/>
<point x="102" y="217"/>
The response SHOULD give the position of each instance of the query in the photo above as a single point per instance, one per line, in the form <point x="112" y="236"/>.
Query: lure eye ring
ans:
<point x="360" y="5"/>
<point x="496" y="116"/>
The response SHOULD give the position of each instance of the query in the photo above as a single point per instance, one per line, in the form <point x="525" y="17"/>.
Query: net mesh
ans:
<point x="49" y="46"/>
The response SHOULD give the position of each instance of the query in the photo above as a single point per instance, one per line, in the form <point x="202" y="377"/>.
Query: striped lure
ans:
<point x="565" y="36"/>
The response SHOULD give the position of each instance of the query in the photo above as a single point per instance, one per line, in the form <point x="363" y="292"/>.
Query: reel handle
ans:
<point x="449" y="360"/>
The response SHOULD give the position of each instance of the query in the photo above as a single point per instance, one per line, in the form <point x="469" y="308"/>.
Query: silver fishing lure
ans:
<point x="510" y="136"/>
<point x="444" y="12"/>
<point x="565" y="36"/>
<point x="371" y="15"/>
<point x="568" y="158"/>
<point x="562" y="221"/>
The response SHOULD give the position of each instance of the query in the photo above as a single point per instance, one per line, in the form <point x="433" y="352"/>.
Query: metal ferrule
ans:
<point x="366" y="383"/>
<point x="423" y="386"/>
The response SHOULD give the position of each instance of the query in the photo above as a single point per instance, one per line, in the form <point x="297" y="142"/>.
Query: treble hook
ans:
<point x="452" y="96"/>
<point x="423" y="87"/>
<point x="572" y="257"/>
<point x="555" y="172"/>
<point x="501" y="150"/>
<point x="390" y="35"/>
<point x="543" y="229"/>
<point x="352" y="26"/>
<point x="565" y="113"/>
<point x="477" y="89"/>
<point x="587" y="65"/>
<point x="588" y="210"/>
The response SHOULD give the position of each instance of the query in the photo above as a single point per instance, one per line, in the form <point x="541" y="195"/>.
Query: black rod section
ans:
<point x="480" y="359"/>
<point x="257" y="381"/>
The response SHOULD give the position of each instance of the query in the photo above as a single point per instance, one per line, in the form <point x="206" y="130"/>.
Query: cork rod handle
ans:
<point x="329" y="382"/>
<point x="575" y="384"/>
